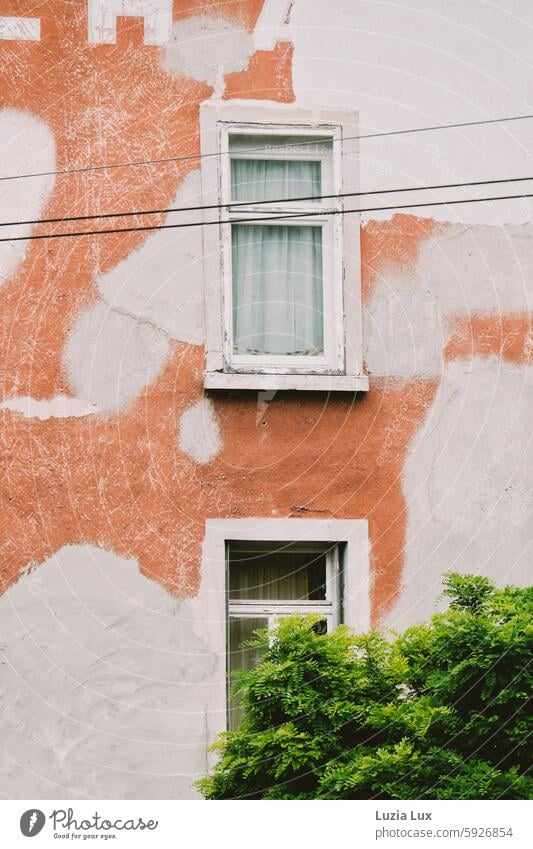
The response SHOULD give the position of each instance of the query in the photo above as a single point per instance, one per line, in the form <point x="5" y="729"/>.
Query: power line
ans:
<point x="196" y="156"/>
<point x="237" y="204"/>
<point x="250" y="220"/>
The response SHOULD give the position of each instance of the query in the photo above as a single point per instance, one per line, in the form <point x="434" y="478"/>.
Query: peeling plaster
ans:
<point x="206" y="48"/>
<point x="199" y="433"/>
<point x="162" y="280"/>
<point x="131" y="483"/>
<point x="402" y="333"/>
<point x="272" y="24"/>
<point x="112" y="357"/>
<point x="157" y="15"/>
<point x="26" y="146"/>
<point x="59" y="407"/>
<point x="20" y="29"/>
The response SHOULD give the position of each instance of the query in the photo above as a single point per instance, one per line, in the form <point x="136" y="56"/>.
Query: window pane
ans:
<point x="277" y="289"/>
<point x="269" y="146"/>
<point x="270" y="179"/>
<point x="241" y="657"/>
<point x="277" y="575"/>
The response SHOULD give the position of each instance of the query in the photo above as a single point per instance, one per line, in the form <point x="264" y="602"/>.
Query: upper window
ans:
<point x="277" y="269"/>
<point x="285" y="304"/>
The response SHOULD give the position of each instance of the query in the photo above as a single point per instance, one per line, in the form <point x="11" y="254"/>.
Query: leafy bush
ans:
<point x="439" y="712"/>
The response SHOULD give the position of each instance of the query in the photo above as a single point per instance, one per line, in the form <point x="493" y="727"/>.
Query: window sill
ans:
<point x="304" y="382"/>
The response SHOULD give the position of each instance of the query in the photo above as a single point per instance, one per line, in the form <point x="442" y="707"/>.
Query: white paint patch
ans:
<point x="420" y="63"/>
<point x="26" y="147"/>
<point x="58" y="407"/>
<point x="467" y="484"/>
<point x="111" y="357"/>
<point x="480" y="269"/>
<point x="20" y="29"/>
<point x="271" y="25"/>
<point x="157" y="15"/>
<point x="108" y="682"/>
<point x="199" y="433"/>
<point x="402" y="333"/>
<point x="162" y="281"/>
<point x="206" y="48"/>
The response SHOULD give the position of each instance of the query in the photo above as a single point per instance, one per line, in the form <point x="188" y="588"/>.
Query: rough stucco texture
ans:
<point x="112" y="457"/>
<point x="103" y="673"/>
<point x="27" y="145"/>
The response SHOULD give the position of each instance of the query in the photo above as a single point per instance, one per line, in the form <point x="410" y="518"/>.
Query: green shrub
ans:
<point x="439" y="712"/>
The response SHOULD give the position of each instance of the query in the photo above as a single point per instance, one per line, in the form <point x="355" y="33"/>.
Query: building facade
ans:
<point x="206" y="401"/>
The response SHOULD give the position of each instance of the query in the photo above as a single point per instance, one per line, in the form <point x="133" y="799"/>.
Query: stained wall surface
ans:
<point x="112" y="454"/>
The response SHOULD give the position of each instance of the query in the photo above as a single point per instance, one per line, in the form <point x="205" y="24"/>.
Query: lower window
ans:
<point x="270" y="580"/>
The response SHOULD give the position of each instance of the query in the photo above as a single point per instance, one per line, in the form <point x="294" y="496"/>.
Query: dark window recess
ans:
<point x="276" y="574"/>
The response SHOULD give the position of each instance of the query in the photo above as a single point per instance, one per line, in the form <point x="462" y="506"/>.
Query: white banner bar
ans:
<point x="242" y="825"/>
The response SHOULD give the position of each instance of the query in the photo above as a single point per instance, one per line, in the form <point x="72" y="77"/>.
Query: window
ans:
<point x="267" y="581"/>
<point x="277" y="270"/>
<point x="281" y="268"/>
<point x="257" y="570"/>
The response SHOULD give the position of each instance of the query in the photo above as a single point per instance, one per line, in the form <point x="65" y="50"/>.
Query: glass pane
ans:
<point x="269" y="146"/>
<point x="277" y="574"/>
<point x="272" y="180"/>
<point x="241" y="657"/>
<point x="277" y="290"/>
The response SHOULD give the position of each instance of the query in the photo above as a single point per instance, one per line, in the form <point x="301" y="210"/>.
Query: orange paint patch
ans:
<point x="122" y="483"/>
<point x="116" y="482"/>
<point x="330" y="455"/>
<point x="396" y="243"/>
<point x="267" y="77"/>
<point x="104" y="104"/>
<point x="507" y="336"/>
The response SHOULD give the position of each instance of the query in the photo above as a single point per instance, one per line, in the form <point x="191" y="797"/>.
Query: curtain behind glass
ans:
<point x="242" y="657"/>
<point x="277" y="289"/>
<point x="266" y="180"/>
<point x="277" y="575"/>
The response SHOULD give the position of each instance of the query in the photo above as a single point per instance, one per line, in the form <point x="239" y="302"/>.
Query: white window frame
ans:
<point x="340" y="368"/>
<point x="352" y="534"/>
<point x="331" y="228"/>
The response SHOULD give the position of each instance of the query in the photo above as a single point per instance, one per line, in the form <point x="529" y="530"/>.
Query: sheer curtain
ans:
<point x="269" y="179"/>
<point x="242" y="657"/>
<point x="277" y="269"/>
<point x="277" y="289"/>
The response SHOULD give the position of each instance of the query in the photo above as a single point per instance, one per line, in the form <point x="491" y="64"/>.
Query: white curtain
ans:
<point x="270" y="179"/>
<point x="277" y="270"/>
<point x="277" y="289"/>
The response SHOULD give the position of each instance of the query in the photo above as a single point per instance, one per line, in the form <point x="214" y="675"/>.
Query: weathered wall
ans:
<point x="112" y="456"/>
<point x="108" y="682"/>
<point x="451" y="304"/>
